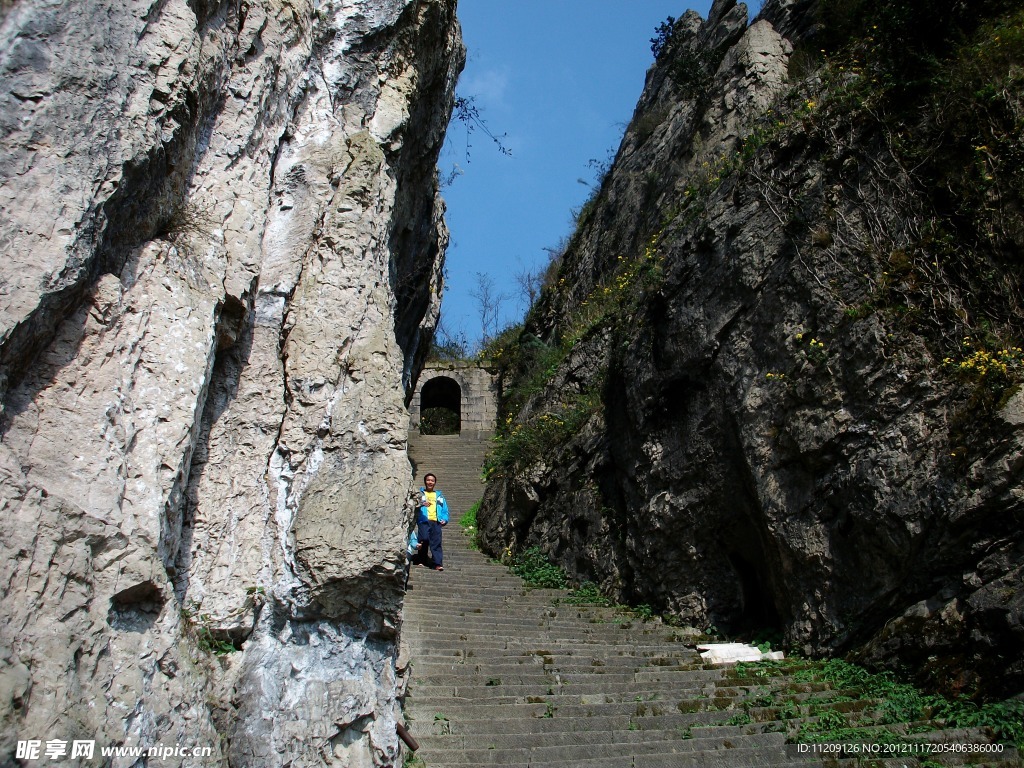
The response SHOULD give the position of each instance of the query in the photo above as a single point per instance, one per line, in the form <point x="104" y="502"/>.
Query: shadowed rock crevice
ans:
<point x="235" y="330"/>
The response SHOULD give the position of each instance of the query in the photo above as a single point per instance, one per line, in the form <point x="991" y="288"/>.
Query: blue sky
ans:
<point x="558" y="81"/>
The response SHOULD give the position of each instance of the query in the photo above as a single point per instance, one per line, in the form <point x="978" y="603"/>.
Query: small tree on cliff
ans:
<point x="489" y="301"/>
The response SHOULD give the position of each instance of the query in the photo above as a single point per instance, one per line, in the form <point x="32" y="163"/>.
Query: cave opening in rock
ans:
<point x="441" y="407"/>
<point x="137" y="608"/>
<point x="757" y="615"/>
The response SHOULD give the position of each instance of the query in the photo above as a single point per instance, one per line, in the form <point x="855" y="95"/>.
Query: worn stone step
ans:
<point x="498" y="605"/>
<point x="484" y="640"/>
<point x="593" y="660"/>
<point x="579" y="738"/>
<point x="627" y="655"/>
<point x="492" y="597"/>
<point x="516" y="648"/>
<point x="520" y="598"/>
<point x="655" y="761"/>
<point x="519" y="683"/>
<point x="483" y="605"/>
<point x="549" y="708"/>
<point x="681" y="717"/>
<point x="599" y="692"/>
<point x="454" y="594"/>
<point x="455" y="579"/>
<point x="687" y="752"/>
<point x="477" y="604"/>
<point x="687" y="679"/>
<point x="440" y="696"/>
<point x="559" y="629"/>
<point x="583" y="632"/>
<point x="596" y="692"/>
<point x="497" y="665"/>
<point x="425" y="723"/>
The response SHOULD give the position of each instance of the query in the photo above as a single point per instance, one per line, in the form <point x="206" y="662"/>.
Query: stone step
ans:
<point x="661" y="714"/>
<point x="553" y="658"/>
<point x="559" y="710"/>
<point x="476" y="623"/>
<point x="685" y="678"/>
<point x="512" y="612"/>
<point x="450" y="583"/>
<point x="540" y="604"/>
<point x="640" y="744"/>
<point x="654" y="761"/>
<point x="682" y="722"/>
<point x="500" y="649"/>
<point x="642" y="756"/>
<point x="474" y="645"/>
<point x="472" y="624"/>
<point x="433" y="619"/>
<point x="580" y="638"/>
<point x="599" y="692"/>
<point x="495" y="664"/>
<point x="581" y="738"/>
<point x="515" y="648"/>
<point x="544" y="682"/>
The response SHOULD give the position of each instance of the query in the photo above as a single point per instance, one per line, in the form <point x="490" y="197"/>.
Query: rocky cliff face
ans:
<point x="222" y="245"/>
<point x="752" y="434"/>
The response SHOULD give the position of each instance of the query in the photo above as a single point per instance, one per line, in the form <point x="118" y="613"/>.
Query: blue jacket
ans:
<point x="442" y="507"/>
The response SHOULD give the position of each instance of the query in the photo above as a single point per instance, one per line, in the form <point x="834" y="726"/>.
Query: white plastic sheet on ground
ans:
<point x="728" y="653"/>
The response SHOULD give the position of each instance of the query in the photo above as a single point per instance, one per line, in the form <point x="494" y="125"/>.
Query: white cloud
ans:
<point x="489" y="87"/>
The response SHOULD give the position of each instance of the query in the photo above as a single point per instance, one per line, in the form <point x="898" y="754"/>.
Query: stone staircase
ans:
<point x="503" y="675"/>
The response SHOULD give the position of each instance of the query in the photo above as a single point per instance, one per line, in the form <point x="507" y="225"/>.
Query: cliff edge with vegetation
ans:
<point x="772" y="388"/>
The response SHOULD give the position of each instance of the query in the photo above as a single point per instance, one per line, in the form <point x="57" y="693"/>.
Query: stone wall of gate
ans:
<point x="478" y="400"/>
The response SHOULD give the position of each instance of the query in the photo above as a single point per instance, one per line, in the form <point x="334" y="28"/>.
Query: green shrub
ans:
<point x="534" y="568"/>
<point x="995" y="368"/>
<point x="499" y="348"/>
<point x="900" y="702"/>
<point x="205" y="638"/>
<point x="468" y="524"/>
<point x="468" y="520"/>
<point x="662" y="36"/>
<point x="588" y="593"/>
<point x="520" y="445"/>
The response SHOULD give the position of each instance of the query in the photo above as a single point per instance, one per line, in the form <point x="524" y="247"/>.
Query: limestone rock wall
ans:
<point x="222" y="245"/>
<point x="733" y="474"/>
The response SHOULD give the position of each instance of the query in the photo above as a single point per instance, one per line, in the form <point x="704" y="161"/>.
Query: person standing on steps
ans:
<point x="431" y="518"/>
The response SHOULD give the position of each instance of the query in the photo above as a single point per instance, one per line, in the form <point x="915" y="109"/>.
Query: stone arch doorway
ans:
<point x="441" y="407"/>
<point x="471" y="389"/>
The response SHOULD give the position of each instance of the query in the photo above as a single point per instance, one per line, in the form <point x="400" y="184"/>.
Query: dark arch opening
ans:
<point x="757" y="614"/>
<point x="441" y="407"/>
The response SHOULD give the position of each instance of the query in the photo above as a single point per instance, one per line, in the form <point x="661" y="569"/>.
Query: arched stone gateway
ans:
<point x="441" y="406"/>
<point x="469" y="390"/>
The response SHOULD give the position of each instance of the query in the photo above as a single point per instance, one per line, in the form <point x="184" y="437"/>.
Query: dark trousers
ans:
<point x="429" y="532"/>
